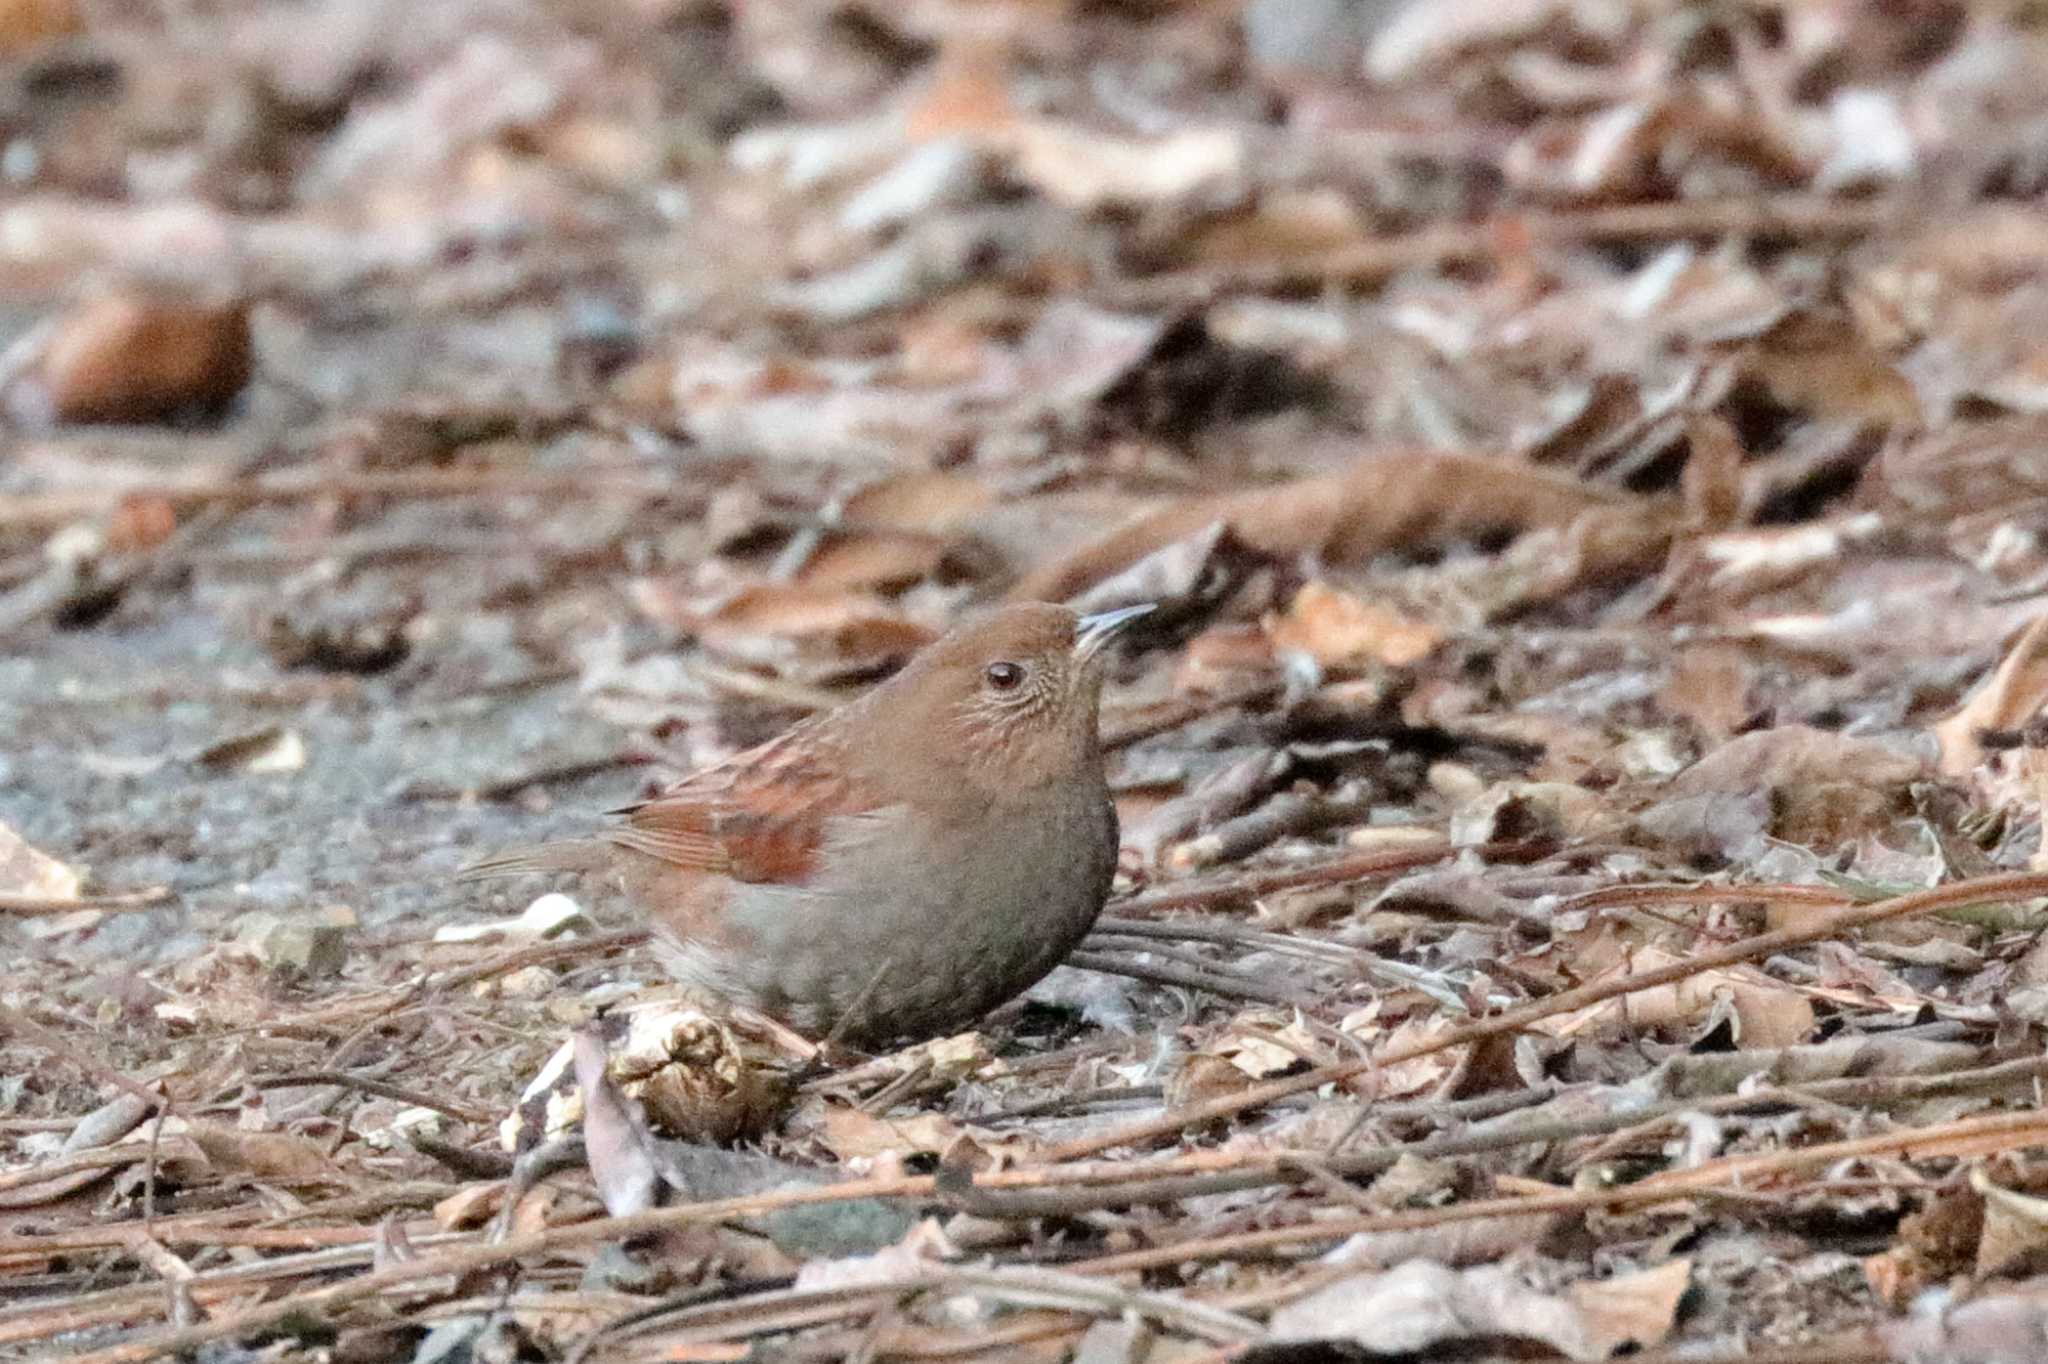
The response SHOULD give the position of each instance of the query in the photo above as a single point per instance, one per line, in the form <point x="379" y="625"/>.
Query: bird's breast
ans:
<point x="926" y="922"/>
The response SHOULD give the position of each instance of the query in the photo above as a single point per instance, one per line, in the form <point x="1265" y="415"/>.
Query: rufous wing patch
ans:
<point x="760" y="817"/>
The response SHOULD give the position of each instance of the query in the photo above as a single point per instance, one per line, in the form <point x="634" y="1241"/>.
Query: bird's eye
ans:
<point x="1004" y="676"/>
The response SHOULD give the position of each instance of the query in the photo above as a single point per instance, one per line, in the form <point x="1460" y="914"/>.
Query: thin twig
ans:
<point x="1857" y="1347"/>
<point x="1730" y="1173"/>
<point x="1021" y="1285"/>
<point x="367" y="1009"/>
<point x="97" y="1158"/>
<point x="241" y="491"/>
<point x="1230" y="933"/>
<point x="2012" y="886"/>
<point x="217" y="1229"/>
<point x="1169" y="1182"/>
<point x="1070" y="1103"/>
<point x="158" y="1101"/>
<point x="1360" y="867"/>
<point x="1638" y="896"/>
<point x="1705" y="1180"/>
<point x="1795" y="216"/>
<point x="382" y="1088"/>
<point x="42" y="906"/>
<point x="1221" y="983"/>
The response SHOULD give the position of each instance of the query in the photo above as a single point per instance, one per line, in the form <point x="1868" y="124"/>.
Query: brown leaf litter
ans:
<point x="1581" y="784"/>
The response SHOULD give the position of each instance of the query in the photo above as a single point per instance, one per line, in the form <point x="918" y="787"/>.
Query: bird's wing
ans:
<point x="760" y="817"/>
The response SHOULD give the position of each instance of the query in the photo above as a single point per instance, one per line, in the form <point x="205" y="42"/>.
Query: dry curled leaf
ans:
<point x="617" y="1144"/>
<point x="1426" y="33"/>
<point x="2014" y="694"/>
<point x="1087" y="170"/>
<point x="2015" y="1225"/>
<point x="1826" y="789"/>
<point x="851" y="1134"/>
<point x="929" y="502"/>
<point x="1401" y="500"/>
<point x="1999" y="1328"/>
<point x="24" y="24"/>
<point x="1636" y="1310"/>
<point x="1338" y="629"/>
<point x="129" y="357"/>
<point x="1420" y="1305"/>
<point x="25" y="870"/>
<point x="1819" y="364"/>
<point x="814" y="633"/>
<point x="279" y="1157"/>
<point x="1765" y="1012"/>
<point x="879" y="561"/>
<point x="675" y="1067"/>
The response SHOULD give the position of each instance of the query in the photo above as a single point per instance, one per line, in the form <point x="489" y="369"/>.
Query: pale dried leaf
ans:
<point x="1420" y="1305"/>
<point x="2013" y="694"/>
<point x="26" y="871"/>
<point x="1337" y="628"/>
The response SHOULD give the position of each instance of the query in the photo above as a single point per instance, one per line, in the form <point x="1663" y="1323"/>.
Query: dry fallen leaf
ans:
<point x="1576" y="448"/>
<point x="1420" y="1305"/>
<point x="813" y="633"/>
<point x="1089" y="170"/>
<point x="1337" y="628"/>
<point x="871" y="560"/>
<point x="929" y="502"/>
<point x="1766" y="1012"/>
<point x="1635" y="1310"/>
<point x="1819" y="364"/>
<point x="1997" y="1328"/>
<point x="1263" y="1047"/>
<point x="1426" y="33"/>
<point x="1709" y="686"/>
<point x="1407" y="1078"/>
<point x="277" y="1157"/>
<point x="851" y="1134"/>
<point x="129" y="357"/>
<point x="1827" y="789"/>
<point x="2015" y="1225"/>
<point x="2013" y="695"/>
<point x="1284" y="225"/>
<point x="26" y="871"/>
<point x="618" y="1147"/>
<point x="1401" y="500"/>
<point x="473" y="1205"/>
<point x="1934" y="1244"/>
<point x="967" y="93"/>
<point x="1713" y="474"/>
<point x="26" y="23"/>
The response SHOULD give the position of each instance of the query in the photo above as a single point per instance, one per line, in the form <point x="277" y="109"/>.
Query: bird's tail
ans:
<point x="571" y="854"/>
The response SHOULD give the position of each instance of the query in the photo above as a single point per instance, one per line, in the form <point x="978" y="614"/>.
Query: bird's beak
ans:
<point x="1096" y="631"/>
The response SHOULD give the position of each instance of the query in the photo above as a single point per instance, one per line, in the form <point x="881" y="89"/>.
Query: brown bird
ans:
<point x="898" y="867"/>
